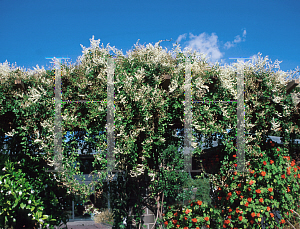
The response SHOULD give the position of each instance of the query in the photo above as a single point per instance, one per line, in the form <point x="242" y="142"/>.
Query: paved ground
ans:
<point x="84" y="225"/>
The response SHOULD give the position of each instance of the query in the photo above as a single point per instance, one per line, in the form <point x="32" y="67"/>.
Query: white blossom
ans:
<point x="29" y="201"/>
<point x="20" y="193"/>
<point x="3" y="169"/>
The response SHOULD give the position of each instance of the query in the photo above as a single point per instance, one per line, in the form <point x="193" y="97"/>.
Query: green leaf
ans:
<point x="22" y="205"/>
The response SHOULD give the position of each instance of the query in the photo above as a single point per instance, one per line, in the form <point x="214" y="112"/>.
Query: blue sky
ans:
<point x="32" y="30"/>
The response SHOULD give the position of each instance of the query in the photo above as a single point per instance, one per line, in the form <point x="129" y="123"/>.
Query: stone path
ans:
<point x="84" y="225"/>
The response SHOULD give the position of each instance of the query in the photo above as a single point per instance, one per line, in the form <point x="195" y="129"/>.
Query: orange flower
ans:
<point x="251" y="182"/>
<point x="271" y="162"/>
<point x="230" y="210"/>
<point x="237" y="210"/>
<point x="177" y="225"/>
<point x="268" y="208"/>
<point x="229" y="217"/>
<point x="166" y="223"/>
<point x="252" y="172"/>
<point x="227" y="221"/>
<point x="187" y="211"/>
<point x="263" y="173"/>
<point x="249" y="189"/>
<point x="288" y="189"/>
<point x="261" y="200"/>
<point x="219" y="189"/>
<point x="206" y="218"/>
<point x="229" y="194"/>
<point x="199" y="202"/>
<point x="271" y="197"/>
<point x="234" y="155"/>
<point x="271" y="214"/>
<point x="194" y="220"/>
<point x="283" y="176"/>
<point x="265" y="162"/>
<point x="246" y="204"/>
<point x="235" y="173"/>
<point x="258" y="191"/>
<point x="258" y="214"/>
<point x="295" y="169"/>
<point x="293" y="163"/>
<point x="185" y="218"/>
<point x="238" y="192"/>
<point x="249" y="199"/>
<point x="282" y="221"/>
<point x="176" y="214"/>
<point x="253" y="214"/>
<point x="240" y="218"/>
<point x="185" y="228"/>
<point x="270" y="189"/>
<point x="242" y="197"/>
<point x="174" y="221"/>
<point x="239" y="185"/>
<point x="299" y="176"/>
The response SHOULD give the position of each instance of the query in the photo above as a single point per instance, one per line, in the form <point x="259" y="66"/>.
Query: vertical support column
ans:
<point x="110" y="116"/>
<point x="73" y="210"/>
<point x="240" y="121"/>
<point x="187" y="118"/>
<point x="58" y="118"/>
<point x="110" y="122"/>
<point x="57" y="122"/>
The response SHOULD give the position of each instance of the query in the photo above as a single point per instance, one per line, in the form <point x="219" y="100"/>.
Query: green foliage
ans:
<point x="30" y="196"/>
<point x="145" y="119"/>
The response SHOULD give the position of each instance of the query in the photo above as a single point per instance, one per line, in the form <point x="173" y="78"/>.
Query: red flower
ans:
<point x="238" y="192"/>
<point x="185" y="228"/>
<point x="249" y="189"/>
<point x="177" y="225"/>
<point x="185" y="218"/>
<point x="270" y="189"/>
<point x="206" y="218"/>
<point x="234" y="155"/>
<point x="283" y="176"/>
<point x="253" y="214"/>
<point x="271" y="214"/>
<point x="199" y="202"/>
<point x="249" y="199"/>
<point x="176" y="213"/>
<point x="268" y="208"/>
<point x="258" y="214"/>
<point x="246" y="204"/>
<point x="263" y="173"/>
<point x="240" y="218"/>
<point x="261" y="200"/>
<point x="227" y="221"/>
<point x="265" y="162"/>
<point x="194" y="220"/>
<point x="187" y="211"/>
<point x="229" y="194"/>
<point x="230" y="210"/>
<point x="251" y="182"/>
<point x="277" y="149"/>
<point x="174" y="221"/>
<point x="271" y="162"/>
<point x="258" y="191"/>
<point x="271" y="197"/>
<point x="166" y="223"/>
